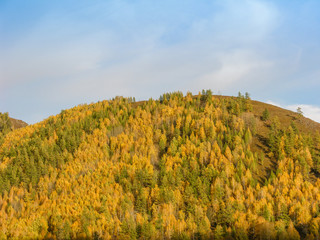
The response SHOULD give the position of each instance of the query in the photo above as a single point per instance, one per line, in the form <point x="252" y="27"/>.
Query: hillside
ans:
<point x="181" y="167"/>
<point x="8" y="124"/>
<point x="16" y="123"/>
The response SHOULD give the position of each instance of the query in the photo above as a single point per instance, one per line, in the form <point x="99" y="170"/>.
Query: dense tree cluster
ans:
<point x="5" y="125"/>
<point x="180" y="167"/>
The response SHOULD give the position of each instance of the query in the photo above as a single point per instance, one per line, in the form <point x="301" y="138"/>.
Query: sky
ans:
<point x="58" y="54"/>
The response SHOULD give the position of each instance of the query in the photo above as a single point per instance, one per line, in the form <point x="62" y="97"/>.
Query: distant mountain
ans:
<point x="7" y="123"/>
<point x="18" y="123"/>
<point x="180" y="167"/>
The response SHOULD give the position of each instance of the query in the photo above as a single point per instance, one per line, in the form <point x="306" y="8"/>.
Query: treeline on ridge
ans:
<point x="181" y="167"/>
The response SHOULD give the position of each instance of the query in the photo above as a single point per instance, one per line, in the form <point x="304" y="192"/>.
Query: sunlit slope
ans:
<point x="182" y="167"/>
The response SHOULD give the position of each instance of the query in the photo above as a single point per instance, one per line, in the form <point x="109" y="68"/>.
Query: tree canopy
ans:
<point x="181" y="167"/>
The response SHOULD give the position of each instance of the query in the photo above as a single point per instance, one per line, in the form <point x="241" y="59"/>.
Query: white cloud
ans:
<point x="247" y="20"/>
<point x="234" y="70"/>
<point x="124" y="53"/>
<point x="309" y="111"/>
<point x="58" y="47"/>
<point x="39" y="58"/>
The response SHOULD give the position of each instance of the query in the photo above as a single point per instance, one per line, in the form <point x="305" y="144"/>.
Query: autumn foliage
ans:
<point x="180" y="167"/>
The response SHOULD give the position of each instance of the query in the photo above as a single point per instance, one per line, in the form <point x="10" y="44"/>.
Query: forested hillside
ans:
<point x="181" y="167"/>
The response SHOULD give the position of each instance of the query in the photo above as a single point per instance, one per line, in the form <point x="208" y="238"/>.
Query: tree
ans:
<point x="162" y="142"/>
<point x="265" y="115"/>
<point x="218" y="232"/>
<point x="247" y="96"/>
<point x="299" y="111"/>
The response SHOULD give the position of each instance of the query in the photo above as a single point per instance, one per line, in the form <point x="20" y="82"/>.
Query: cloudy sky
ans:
<point x="58" y="54"/>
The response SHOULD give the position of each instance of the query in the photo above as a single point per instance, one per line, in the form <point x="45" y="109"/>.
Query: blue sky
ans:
<point x="58" y="54"/>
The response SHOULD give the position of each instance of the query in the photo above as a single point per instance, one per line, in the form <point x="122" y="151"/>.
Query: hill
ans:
<point x="181" y="167"/>
<point x="16" y="123"/>
<point x="8" y="124"/>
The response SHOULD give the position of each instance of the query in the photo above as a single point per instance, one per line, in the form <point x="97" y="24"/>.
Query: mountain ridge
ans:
<point x="180" y="167"/>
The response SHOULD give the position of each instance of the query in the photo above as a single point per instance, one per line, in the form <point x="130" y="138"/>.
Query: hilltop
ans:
<point x="16" y="123"/>
<point x="180" y="167"/>
<point x="8" y="124"/>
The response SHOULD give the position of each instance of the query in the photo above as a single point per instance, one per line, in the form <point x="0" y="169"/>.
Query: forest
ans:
<point x="178" y="167"/>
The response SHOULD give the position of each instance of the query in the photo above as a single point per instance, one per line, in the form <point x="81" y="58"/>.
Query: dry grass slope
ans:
<point x="285" y="117"/>
<point x="18" y="123"/>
